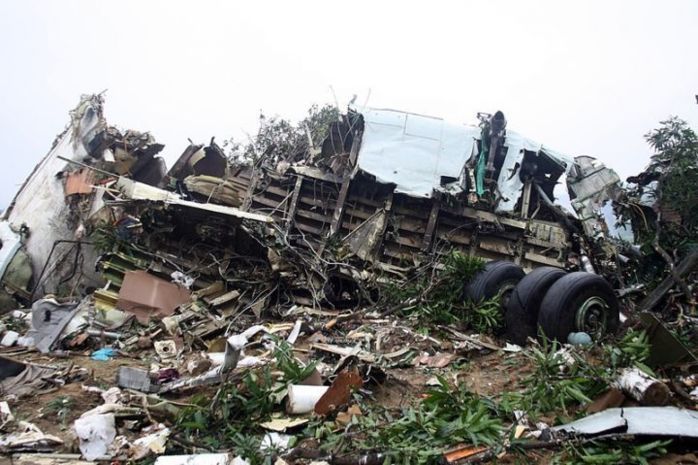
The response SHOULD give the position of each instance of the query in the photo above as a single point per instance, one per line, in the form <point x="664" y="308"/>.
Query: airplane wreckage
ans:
<point x="108" y="248"/>
<point x="385" y="188"/>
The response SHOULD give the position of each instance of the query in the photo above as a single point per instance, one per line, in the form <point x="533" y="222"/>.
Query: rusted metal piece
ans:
<point x="612" y="398"/>
<point x="339" y="392"/>
<point x="463" y="452"/>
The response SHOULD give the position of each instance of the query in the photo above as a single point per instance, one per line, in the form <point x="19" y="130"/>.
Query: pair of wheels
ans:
<point x="556" y="301"/>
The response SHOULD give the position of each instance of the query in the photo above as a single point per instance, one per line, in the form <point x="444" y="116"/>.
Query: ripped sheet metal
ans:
<point x="647" y="421"/>
<point x="140" y="191"/>
<point x="509" y="181"/>
<point x="22" y="379"/>
<point x="413" y="151"/>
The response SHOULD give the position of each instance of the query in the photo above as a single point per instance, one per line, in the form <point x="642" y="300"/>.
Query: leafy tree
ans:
<point x="661" y="201"/>
<point x="279" y="139"/>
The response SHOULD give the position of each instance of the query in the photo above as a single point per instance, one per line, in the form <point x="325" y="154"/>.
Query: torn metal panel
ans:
<point x="418" y="152"/>
<point x="315" y="173"/>
<point x="41" y="205"/>
<point x="148" y="296"/>
<point x="22" y="379"/>
<point x="10" y="243"/>
<point x="665" y="348"/>
<point x="10" y="368"/>
<point x="511" y="175"/>
<point x="15" y="269"/>
<point x="413" y="151"/>
<point x="199" y="160"/>
<point x="49" y="320"/>
<point x="640" y="421"/>
<point x="139" y="191"/>
<point x="365" y="239"/>
<point x="200" y="459"/>
<point x="49" y="459"/>
<point x="28" y="437"/>
<point x="591" y="186"/>
<point x="136" y="378"/>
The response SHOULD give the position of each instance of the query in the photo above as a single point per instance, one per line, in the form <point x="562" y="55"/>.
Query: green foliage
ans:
<point x="632" y="350"/>
<point x="104" y="238"/>
<point x="676" y="160"/>
<point x="436" y="293"/>
<point x="60" y="407"/>
<point x="611" y="453"/>
<point x="281" y="139"/>
<point x="293" y="370"/>
<point x="420" y="434"/>
<point x="559" y="381"/>
<point x="232" y="418"/>
<point x="458" y="270"/>
<point x="671" y="183"/>
<point x="486" y="316"/>
<point x="563" y="379"/>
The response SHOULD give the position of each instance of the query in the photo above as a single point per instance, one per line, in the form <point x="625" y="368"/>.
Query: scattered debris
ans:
<point x="370" y="287"/>
<point x="96" y="433"/>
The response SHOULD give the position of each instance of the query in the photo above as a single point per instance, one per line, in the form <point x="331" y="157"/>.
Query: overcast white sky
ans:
<point x="586" y="77"/>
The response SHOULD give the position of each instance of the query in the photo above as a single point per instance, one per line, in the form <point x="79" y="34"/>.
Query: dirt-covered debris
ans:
<point x="293" y="302"/>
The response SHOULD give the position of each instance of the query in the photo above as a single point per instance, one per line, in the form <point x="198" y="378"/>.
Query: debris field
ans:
<point x="369" y="287"/>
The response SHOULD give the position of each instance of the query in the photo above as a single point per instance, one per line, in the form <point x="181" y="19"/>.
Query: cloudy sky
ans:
<point x="585" y="77"/>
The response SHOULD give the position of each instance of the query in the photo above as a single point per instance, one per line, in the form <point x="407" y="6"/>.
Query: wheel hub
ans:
<point x="505" y="294"/>
<point x="591" y="316"/>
